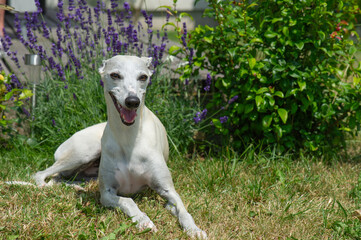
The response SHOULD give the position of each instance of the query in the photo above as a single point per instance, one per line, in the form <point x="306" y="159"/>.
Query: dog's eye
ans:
<point x="143" y="78"/>
<point x="115" y="76"/>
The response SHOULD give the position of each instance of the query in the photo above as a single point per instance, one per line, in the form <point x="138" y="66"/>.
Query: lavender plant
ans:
<point x="70" y="97"/>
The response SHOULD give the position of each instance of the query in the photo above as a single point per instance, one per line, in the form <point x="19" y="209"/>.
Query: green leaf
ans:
<point x="286" y="31"/>
<point x="279" y="94"/>
<point x="184" y="14"/>
<point x="164" y="6"/>
<point x="226" y="83"/>
<point x="173" y="50"/>
<point x="277" y="20"/>
<point x="300" y="45"/>
<point x="292" y="92"/>
<point x="9" y="95"/>
<point x="170" y="24"/>
<point x="356" y="80"/>
<point x="352" y="50"/>
<point x="283" y="114"/>
<point x="26" y="93"/>
<point x="208" y="39"/>
<point x="252" y="62"/>
<point x="326" y="51"/>
<point x="270" y="34"/>
<point x="232" y="51"/>
<point x="266" y="121"/>
<point x="321" y="35"/>
<point x="271" y="100"/>
<point x="302" y="85"/>
<point x="262" y="90"/>
<point x="217" y="123"/>
<point x="252" y="5"/>
<point x="278" y="131"/>
<point x="278" y="68"/>
<point x="259" y="101"/>
<point x="3" y="123"/>
<point x="292" y="22"/>
<point x="339" y="72"/>
<point x="294" y="75"/>
<point x="248" y="108"/>
<point x="258" y="40"/>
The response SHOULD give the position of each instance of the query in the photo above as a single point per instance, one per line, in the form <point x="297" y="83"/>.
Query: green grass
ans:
<point x="248" y="196"/>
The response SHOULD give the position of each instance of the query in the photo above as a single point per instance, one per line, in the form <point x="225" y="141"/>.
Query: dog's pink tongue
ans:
<point x="129" y="115"/>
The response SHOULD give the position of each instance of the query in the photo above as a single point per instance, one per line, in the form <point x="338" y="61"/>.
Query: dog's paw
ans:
<point x="143" y="222"/>
<point x="197" y="233"/>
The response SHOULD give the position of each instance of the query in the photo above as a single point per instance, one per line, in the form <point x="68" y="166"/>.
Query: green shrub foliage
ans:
<point x="292" y="65"/>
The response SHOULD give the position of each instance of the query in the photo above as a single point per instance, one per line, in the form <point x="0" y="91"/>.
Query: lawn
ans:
<point x="248" y="196"/>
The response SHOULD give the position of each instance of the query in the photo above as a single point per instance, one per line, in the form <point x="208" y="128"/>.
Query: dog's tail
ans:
<point x="73" y="185"/>
<point x="19" y="183"/>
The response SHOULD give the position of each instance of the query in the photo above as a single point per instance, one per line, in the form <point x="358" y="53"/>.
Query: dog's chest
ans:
<point x="130" y="177"/>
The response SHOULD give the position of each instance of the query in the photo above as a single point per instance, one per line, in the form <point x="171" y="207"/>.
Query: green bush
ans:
<point x="12" y="98"/>
<point x="284" y="71"/>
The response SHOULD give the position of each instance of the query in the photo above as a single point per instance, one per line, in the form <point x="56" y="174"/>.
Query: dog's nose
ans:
<point x="132" y="102"/>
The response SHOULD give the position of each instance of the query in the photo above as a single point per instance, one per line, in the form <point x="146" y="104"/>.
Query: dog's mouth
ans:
<point x="126" y="115"/>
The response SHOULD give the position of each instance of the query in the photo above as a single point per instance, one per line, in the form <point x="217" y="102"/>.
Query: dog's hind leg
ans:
<point x="79" y="150"/>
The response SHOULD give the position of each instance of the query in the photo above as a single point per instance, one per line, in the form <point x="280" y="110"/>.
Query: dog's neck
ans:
<point x="121" y="131"/>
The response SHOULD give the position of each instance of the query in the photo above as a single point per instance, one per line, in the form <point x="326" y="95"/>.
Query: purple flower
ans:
<point x="66" y="86"/>
<point x="71" y="5"/>
<point x="113" y="4"/>
<point x="15" y="82"/>
<point x="184" y="41"/>
<point x="126" y="6"/>
<point x="53" y="122"/>
<point x="232" y="100"/>
<point x="200" y="116"/>
<point x="17" y="24"/>
<point x="208" y="83"/>
<point x="60" y="13"/>
<point x="185" y="29"/>
<point x="197" y="118"/>
<point x="74" y="96"/>
<point x="46" y="33"/>
<point x="110" y="21"/>
<point x="101" y="83"/>
<point x="223" y="119"/>
<point x="204" y="113"/>
<point x="97" y="9"/>
<point x="39" y="9"/>
<point x="184" y="35"/>
<point x="190" y="57"/>
<point x="25" y="111"/>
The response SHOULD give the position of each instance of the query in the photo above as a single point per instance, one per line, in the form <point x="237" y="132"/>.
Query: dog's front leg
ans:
<point x="163" y="185"/>
<point x="109" y="198"/>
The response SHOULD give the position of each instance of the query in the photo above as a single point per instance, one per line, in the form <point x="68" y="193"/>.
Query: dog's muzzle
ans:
<point x="129" y="112"/>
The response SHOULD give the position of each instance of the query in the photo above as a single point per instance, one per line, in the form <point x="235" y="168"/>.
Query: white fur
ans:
<point x="133" y="156"/>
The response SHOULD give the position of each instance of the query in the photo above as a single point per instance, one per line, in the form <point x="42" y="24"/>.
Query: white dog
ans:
<point x="133" y="147"/>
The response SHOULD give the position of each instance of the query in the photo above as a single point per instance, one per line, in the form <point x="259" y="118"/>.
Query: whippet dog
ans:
<point x="132" y="144"/>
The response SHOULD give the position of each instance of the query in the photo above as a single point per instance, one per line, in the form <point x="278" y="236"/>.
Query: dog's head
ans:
<point x="125" y="81"/>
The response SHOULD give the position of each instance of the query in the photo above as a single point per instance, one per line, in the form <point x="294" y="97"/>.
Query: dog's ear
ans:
<point x="101" y="69"/>
<point x="148" y="62"/>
